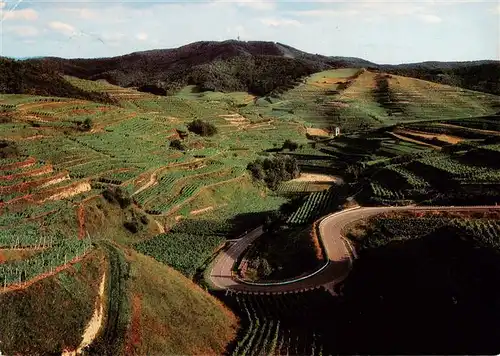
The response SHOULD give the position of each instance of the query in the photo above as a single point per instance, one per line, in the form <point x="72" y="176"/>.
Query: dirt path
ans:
<point x="339" y="251"/>
<point x="81" y="221"/>
<point x="160" y="226"/>
<point x="441" y="137"/>
<point x="153" y="180"/>
<point x="407" y="139"/>
<point x="95" y="322"/>
<point x="470" y="129"/>
<point x="201" y="211"/>
<point x="317" y="132"/>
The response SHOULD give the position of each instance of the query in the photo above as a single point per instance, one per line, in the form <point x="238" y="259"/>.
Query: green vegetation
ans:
<point x="171" y="315"/>
<point x="282" y="323"/>
<point x="184" y="252"/>
<point x="202" y="128"/>
<point x="445" y="263"/>
<point x="276" y="254"/>
<point x="167" y="176"/>
<point x="274" y="171"/>
<point x="315" y="205"/>
<point x="44" y="262"/>
<point x="52" y="314"/>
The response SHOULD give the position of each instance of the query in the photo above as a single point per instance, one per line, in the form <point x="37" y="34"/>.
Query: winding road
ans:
<point x="339" y="252"/>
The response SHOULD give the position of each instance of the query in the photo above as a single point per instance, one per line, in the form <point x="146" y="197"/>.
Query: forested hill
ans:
<point x="22" y="77"/>
<point x="257" y="67"/>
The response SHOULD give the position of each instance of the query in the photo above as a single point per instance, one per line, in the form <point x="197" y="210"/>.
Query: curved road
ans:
<point x="338" y="250"/>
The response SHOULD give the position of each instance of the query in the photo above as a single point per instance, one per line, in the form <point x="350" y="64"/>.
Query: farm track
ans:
<point x="470" y="129"/>
<point x="110" y="341"/>
<point x="338" y="249"/>
<point x="408" y="139"/>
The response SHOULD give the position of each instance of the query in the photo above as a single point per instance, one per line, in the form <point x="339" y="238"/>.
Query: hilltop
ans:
<point x="257" y="67"/>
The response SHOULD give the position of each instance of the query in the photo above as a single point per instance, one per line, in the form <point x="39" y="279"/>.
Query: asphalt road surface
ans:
<point x="338" y="250"/>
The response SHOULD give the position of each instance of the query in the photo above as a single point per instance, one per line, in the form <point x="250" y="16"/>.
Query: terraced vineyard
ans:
<point x="314" y="206"/>
<point x="485" y="231"/>
<point x="276" y="324"/>
<point x="46" y="261"/>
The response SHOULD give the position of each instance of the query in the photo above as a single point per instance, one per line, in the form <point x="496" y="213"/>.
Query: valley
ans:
<point x="227" y="216"/>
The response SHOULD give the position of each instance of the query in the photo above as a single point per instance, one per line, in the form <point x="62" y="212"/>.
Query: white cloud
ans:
<point x="430" y="18"/>
<point x="82" y="13"/>
<point x="112" y="36"/>
<point x="23" y="31"/>
<point x="62" y="27"/>
<point x="279" y="22"/>
<point x="326" y="13"/>
<point x="141" y="36"/>
<point x="262" y="5"/>
<point x="25" y="14"/>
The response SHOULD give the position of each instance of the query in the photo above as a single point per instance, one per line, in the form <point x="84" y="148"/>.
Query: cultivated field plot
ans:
<point x="63" y="153"/>
<point x="280" y="324"/>
<point x="358" y="99"/>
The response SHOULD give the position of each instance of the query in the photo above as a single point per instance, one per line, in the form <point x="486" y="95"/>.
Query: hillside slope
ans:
<point x="478" y="75"/>
<point x="255" y="66"/>
<point x="149" y="309"/>
<point x="35" y="78"/>
<point x="171" y="315"/>
<point x="50" y="315"/>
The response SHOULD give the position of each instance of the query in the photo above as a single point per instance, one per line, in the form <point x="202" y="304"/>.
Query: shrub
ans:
<point x="177" y="145"/>
<point x="132" y="226"/>
<point x="8" y="149"/>
<point x="117" y="196"/>
<point x="202" y="128"/>
<point x="291" y="145"/>
<point x="85" y="125"/>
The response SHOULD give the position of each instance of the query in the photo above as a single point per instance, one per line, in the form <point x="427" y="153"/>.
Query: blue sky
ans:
<point x="388" y="31"/>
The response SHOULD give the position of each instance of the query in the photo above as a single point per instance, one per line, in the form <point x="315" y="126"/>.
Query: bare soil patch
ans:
<point x="317" y="132"/>
<point x="67" y="192"/>
<point x="96" y="321"/>
<point x="488" y="132"/>
<point x="313" y="177"/>
<point x="441" y="137"/>
<point x="201" y="211"/>
<point x="404" y="138"/>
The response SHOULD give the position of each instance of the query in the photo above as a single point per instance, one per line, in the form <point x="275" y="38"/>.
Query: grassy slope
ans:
<point x="51" y="314"/>
<point x="176" y="316"/>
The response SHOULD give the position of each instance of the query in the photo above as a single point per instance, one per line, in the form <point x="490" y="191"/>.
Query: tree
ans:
<point x="202" y="128"/>
<point x="274" y="170"/>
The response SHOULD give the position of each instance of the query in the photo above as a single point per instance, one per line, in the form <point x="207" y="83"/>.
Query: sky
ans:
<point x="390" y="31"/>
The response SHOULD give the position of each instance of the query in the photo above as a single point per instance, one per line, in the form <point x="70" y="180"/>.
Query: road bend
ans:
<point x="339" y="251"/>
